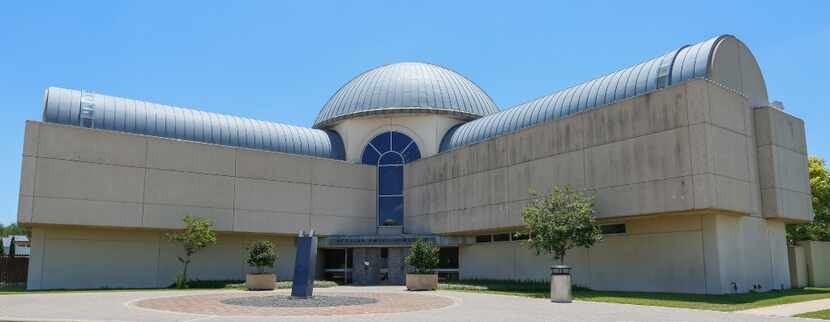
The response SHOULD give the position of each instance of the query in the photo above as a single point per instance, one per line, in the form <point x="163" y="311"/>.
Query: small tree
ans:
<point x="559" y="221"/>
<point x="819" y="228"/>
<point x="2" y="250"/>
<point x="197" y="235"/>
<point x="261" y="255"/>
<point x="423" y="256"/>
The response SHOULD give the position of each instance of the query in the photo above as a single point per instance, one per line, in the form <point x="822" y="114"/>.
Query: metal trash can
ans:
<point x="560" y="284"/>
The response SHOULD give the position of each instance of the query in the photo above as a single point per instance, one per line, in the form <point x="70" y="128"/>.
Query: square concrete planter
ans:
<point x="421" y="282"/>
<point x="261" y="282"/>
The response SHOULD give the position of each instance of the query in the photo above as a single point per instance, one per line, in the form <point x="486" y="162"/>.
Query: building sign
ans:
<point x="380" y="240"/>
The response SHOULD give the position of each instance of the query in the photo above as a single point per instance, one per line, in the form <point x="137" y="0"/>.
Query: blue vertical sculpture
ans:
<point x="304" y="266"/>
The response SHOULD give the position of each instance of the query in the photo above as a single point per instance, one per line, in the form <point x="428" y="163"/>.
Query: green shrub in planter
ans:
<point x="261" y="255"/>
<point x="423" y="256"/>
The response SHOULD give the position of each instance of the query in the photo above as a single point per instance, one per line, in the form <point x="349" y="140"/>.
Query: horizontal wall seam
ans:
<point x="200" y="173"/>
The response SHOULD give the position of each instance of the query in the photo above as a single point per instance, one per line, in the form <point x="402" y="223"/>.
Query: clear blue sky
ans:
<point x="281" y="60"/>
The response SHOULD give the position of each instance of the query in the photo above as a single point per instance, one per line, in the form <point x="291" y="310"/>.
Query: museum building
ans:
<point x="694" y="174"/>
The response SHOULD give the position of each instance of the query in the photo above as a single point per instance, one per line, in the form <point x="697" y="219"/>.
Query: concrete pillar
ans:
<point x="396" y="266"/>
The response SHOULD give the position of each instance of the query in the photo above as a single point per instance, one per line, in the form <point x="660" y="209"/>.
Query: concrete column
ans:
<point x="396" y="266"/>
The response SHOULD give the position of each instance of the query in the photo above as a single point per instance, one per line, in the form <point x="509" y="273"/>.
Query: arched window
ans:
<point x="389" y="151"/>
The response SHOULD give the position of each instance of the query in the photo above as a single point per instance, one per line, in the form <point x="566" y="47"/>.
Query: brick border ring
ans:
<point x="369" y="303"/>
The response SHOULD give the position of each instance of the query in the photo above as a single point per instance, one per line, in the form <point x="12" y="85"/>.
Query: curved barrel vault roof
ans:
<point x="724" y="59"/>
<point x="407" y="88"/>
<point x="81" y="108"/>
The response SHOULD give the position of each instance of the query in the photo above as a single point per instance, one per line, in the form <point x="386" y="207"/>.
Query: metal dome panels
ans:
<point x="407" y="88"/>
<point x="674" y="67"/>
<point x="91" y="110"/>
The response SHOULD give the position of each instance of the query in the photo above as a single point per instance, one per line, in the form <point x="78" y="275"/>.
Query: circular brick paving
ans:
<point x="218" y="304"/>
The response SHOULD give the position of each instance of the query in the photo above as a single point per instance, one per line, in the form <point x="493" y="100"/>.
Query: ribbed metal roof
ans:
<point x="91" y="110"/>
<point x="676" y="66"/>
<point x="407" y="88"/>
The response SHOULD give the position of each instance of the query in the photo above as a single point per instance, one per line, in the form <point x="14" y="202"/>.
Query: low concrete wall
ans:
<point x="798" y="266"/>
<point x="65" y="258"/>
<point x="817" y="255"/>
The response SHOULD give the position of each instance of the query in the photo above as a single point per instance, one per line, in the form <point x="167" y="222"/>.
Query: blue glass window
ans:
<point x="391" y="209"/>
<point x="389" y="151"/>
<point x="390" y="180"/>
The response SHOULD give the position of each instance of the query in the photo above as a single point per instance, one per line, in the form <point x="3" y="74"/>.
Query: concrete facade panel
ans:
<point x="128" y="263"/>
<point x="27" y="176"/>
<point x="30" y="138"/>
<point x="646" y="158"/>
<point x="73" y="143"/>
<point x="272" y="166"/>
<point x="542" y="174"/>
<point x="729" y="152"/>
<point x="789" y="170"/>
<point x="651" y="197"/>
<point x="649" y="263"/>
<point x="85" y="212"/>
<point x="343" y="174"/>
<point x="270" y="222"/>
<point x="273" y="196"/>
<point x="170" y="216"/>
<point x="24" y="209"/>
<point x="818" y="262"/>
<point x="335" y="201"/>
<point x="61" y="179"/>
<point x="697" y="92"/>
<point x="189" y="189"/>
<point x="776" y="127"/>
<point x="728" y="110"/>
<point x="194" y="157"/>
<point x="138" y="259"/>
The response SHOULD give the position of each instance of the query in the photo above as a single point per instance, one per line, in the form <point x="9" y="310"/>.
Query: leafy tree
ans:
<point x="12" y="229"/>
<point x="261" y="255"/>
<point x="423" y="256"/>
<point x="2" y="250"/>
<point x="819" y="229"/>
<point x="559" y="221"/>
<point x="197" y="235"/>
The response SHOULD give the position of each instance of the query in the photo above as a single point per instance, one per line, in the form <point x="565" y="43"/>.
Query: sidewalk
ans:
<point x="791" y="309"/>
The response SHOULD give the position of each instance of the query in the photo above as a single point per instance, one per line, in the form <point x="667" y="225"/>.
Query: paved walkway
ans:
<point x="120" y="306"/>
<point x="791" y="309"/>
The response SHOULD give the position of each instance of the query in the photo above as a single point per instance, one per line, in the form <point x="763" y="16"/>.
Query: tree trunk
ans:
<point x="184" y="274"/>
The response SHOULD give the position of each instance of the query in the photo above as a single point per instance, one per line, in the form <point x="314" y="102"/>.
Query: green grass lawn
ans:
<point x="824" y="315"/>
<point x="732" y="302"/>
<point x="192" y="285"/>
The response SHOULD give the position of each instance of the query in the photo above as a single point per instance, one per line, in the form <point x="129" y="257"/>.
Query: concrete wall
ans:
<point x="782" y="158"/>
<point x="95" y="178"/>
<point x="817" y="255"/>
<point x="798" y="266"/>
<point x="670" y="253"/>
<point x="426" y="129"/>
<point x="689" y="147"/>
<point x="65" y="258"/>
